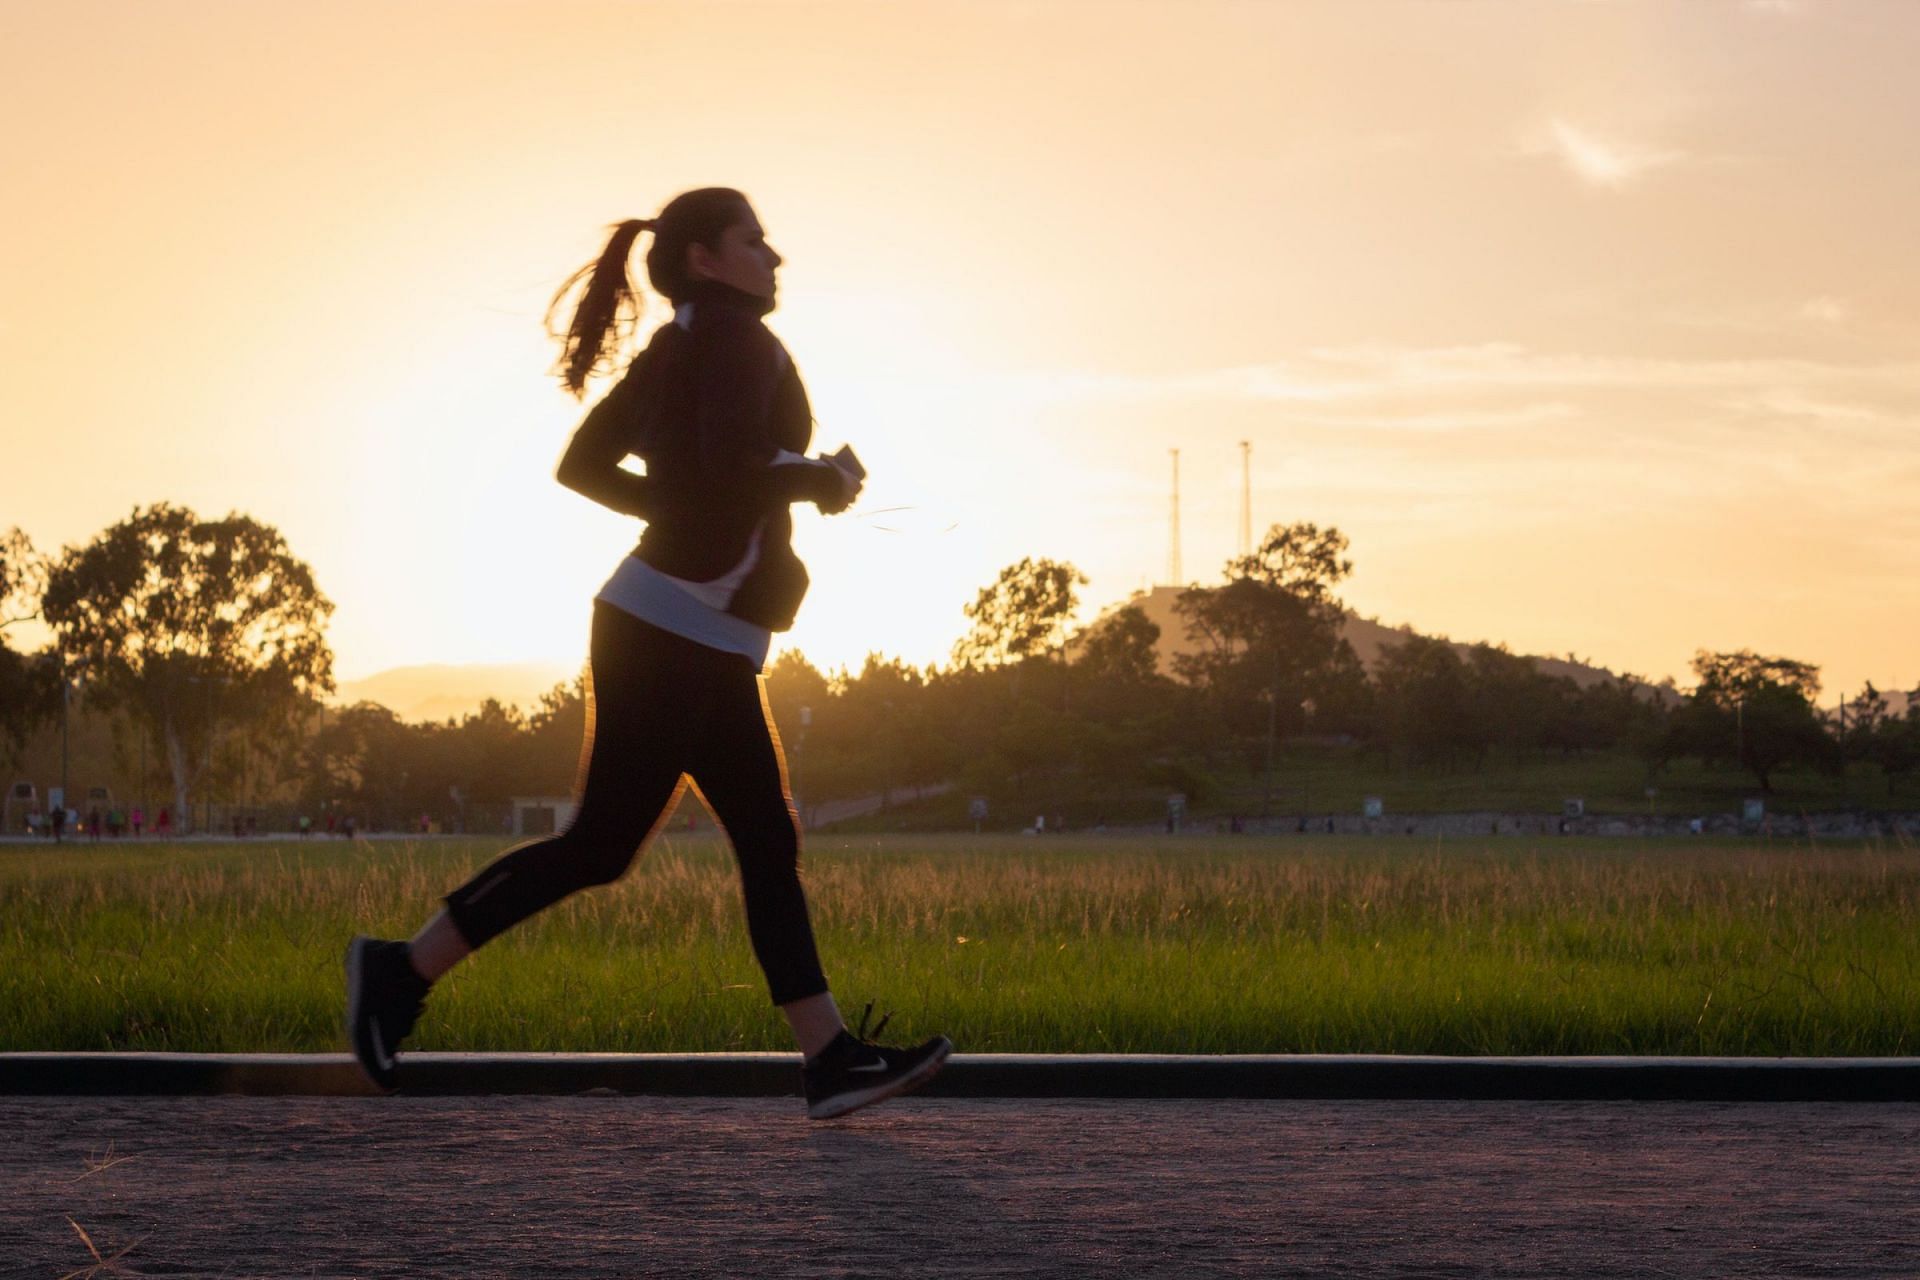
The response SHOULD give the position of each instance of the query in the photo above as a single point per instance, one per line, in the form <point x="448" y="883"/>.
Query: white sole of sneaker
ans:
<point x="841" y="1104"/>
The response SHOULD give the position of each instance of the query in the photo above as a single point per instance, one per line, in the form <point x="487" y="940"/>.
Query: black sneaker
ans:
<point x="384" y="999"/>
<point x="853" y="1072"/>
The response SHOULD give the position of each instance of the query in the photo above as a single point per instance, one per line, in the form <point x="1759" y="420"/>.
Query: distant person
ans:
<point x="59" y="822"/>
<point x="163" y="823"/>
<point x="93" y="823"/>
<point x="306" y="826"/>
<point x="716" y="410"/>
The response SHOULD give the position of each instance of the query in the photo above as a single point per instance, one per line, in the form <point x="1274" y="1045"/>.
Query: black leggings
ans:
<point x="663" y="706"/>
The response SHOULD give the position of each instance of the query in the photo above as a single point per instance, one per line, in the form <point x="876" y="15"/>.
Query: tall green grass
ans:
<point x="1193" y="945"/>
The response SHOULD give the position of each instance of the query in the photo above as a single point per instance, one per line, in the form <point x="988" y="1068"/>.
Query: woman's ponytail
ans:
<point x="608" y="306"/>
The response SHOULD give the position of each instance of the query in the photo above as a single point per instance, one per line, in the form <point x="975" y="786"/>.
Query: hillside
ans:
<point x="1367" y="637"/>
<point x="440" y="691"/>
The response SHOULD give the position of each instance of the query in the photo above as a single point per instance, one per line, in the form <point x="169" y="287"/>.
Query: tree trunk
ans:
<point x="177" y="763"/>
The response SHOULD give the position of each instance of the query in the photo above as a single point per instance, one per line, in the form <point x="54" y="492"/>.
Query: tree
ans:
<point x="1023" y="614"/>
<point x="1425" y="698"/>
<point x="793" y="683"/>
<point x="1301" y="559"/>
<point x="880" y="726"/>
<point x="1121" y="648"/>
<point x="1269" y="639"/>
<point x="191" y="624"/>
<point x="29" y="683"/>
<point x="23" y="579"/>
<point x="1127" y="715"/>
<point x="1892" y="742"/>
<point x="1756" y="711"/>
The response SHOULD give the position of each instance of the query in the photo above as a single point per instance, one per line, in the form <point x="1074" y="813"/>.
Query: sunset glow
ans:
<point x="1593" y="325"/>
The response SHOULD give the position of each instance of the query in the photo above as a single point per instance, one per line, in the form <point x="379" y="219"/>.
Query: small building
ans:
<point x="23" y="798"/>
<point x="541" y="815"/>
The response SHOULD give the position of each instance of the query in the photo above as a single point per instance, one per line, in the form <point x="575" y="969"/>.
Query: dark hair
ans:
<point x="610" y="305"/>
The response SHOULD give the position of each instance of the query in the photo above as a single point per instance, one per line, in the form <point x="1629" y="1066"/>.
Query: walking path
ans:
<point x="610" y="1186"/>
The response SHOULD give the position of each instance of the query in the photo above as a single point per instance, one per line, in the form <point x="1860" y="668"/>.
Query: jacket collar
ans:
<point x="721" y="294"/>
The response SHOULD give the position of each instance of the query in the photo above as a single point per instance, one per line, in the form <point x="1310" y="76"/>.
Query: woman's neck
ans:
<point x="721" y="292"/>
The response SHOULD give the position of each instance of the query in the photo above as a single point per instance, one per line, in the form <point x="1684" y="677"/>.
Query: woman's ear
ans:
<point x="699" y="261"/>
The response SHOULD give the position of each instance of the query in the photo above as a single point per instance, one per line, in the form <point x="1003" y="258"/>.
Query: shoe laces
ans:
<point x="862" y="1033"/>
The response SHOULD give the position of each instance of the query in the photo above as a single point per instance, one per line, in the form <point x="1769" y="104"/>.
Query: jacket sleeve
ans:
<point x="737" y="370"/>
<point x="591" y="464"/>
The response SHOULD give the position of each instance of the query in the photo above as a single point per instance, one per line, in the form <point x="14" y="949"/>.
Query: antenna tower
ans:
<point x="1246" y="499"/>
<point x="1173" y="551"/>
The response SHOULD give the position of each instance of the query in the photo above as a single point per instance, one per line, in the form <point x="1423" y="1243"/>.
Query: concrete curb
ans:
<point x="730" y="1075"/>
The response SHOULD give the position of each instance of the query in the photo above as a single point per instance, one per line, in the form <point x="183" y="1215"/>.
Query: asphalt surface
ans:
<point x="617" y="1186"/>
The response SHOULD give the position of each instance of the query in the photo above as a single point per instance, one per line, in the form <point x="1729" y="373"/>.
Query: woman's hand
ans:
<point x="850" y="486"/>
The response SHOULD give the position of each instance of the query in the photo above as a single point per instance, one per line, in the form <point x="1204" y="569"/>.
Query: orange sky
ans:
<point x="1593" y="323"/>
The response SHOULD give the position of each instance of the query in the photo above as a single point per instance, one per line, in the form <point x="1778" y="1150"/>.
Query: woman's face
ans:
<point x="743" y="259"/>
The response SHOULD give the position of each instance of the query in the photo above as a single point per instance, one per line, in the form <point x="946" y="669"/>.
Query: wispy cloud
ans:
<point x="1825" y="310"/>
<point x="1598" y="161"/>
<point x="1439" y="421"/>
<point x="1705" y="421"/>
<point x="1350" y="374"/>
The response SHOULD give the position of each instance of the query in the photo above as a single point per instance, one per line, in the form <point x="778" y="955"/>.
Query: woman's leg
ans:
<point x="738" y="767"/>
<point x="437" y="947"/>
<point x="815" y="1021"/>
<point x="631" y="765"/>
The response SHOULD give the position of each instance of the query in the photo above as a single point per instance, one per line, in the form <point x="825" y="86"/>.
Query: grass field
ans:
<point x="1193" y="945"/>
<point x="1323" y="779"/>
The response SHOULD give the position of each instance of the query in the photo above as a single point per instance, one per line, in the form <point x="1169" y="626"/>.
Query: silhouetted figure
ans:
<point x="716" y="410"/>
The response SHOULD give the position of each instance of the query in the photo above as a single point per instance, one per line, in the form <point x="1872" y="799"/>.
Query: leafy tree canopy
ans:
<point x="1121" y="647"/>
<point x="189" y="623"/>
<point x="1301" y="559"/>
<point x="1024" y="613"/>
<point x="1727" y="678"/>
<point x="23" y="580"/>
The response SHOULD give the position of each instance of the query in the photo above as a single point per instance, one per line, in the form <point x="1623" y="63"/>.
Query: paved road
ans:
<point x="627" y="1186"/>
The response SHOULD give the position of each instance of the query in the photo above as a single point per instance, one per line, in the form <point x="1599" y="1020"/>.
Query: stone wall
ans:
<point x="1900" y="827"/>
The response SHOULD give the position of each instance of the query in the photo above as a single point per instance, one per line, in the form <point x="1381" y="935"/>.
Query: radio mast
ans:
<point x="1246" y="499"/>
<point x="1173" y="550"/>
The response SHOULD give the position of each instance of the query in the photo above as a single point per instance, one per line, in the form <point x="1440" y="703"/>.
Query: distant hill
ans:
<point x="441" y="691"/>
<point x="1366" y="636"/>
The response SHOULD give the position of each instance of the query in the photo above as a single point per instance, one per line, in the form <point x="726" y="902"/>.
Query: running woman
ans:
<point x="716" y="410"/>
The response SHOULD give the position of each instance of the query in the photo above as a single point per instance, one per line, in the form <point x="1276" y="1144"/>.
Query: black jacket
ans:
<point x="707" y="408"/>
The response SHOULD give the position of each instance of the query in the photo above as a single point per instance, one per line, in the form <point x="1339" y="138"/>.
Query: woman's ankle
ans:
<point x="815" y="1021"/>
<point x="437" y="948"/>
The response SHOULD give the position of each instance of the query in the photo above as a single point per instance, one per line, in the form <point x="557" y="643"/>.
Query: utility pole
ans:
<point x="1174" y="578"/>
<point x="66" y="700"/>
